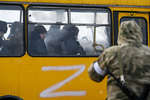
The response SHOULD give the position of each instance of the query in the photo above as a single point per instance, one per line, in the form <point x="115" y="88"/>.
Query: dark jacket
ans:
<point x="72" y="47"/>
<point x="37" y="45"/>
<point x="3" y="48"/>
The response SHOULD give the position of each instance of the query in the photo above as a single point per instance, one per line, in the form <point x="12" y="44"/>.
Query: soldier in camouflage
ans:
<point x="129" y="61"/>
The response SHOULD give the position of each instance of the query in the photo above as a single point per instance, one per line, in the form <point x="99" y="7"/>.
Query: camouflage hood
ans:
<point x="130" y="33"/>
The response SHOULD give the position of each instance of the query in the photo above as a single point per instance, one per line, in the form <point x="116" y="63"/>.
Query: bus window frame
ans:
<point x="69" y="7"/>
<point x="23" y="34"/>
<point x="141" y="29"/>
<point x="116" y="21"/>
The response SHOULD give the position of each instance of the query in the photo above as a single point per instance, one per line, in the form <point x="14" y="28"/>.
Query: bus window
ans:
<point x="141" y="21"/>
<point x="48" y="16"/>
<point x="94" y="26"/>
<point x="11" y="40"/>
<point x="69" y="31"/>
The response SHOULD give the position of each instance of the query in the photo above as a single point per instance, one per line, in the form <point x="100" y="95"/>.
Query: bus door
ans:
<point x="141" y="18"/>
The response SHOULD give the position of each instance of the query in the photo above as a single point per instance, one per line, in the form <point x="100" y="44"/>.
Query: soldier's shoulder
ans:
<point x="112" y="49"/>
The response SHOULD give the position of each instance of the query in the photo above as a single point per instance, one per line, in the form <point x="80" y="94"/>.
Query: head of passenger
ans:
<point x="54" y="27"/>
<point x="39" y="32"/>
<point x="72" y="31"/>
<point x="3" y="28"/>
<point x="130" y="33"/>
<point x="16" y="30"/>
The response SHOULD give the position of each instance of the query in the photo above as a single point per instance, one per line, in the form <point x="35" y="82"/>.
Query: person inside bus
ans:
<point x="3" y="30"/>
<point x="70" y="45"/>
<point x="15" y="39"/>
<point x="37" y="45"/>
<point x="53" y="40"/>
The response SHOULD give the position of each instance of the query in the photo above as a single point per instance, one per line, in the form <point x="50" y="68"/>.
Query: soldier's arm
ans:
<point x="98" y="70"/>
<point x="96" y="73"/>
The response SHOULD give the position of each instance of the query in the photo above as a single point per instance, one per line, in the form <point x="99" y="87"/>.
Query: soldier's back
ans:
<point x="134" y="63"/>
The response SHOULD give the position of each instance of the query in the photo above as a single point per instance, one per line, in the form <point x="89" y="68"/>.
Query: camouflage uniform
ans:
<point x="130" y="58"/>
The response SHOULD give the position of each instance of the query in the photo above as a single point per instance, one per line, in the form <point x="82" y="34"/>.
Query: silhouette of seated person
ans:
<point x="70" y="45"/>
<point x="31" y="27"/>
<point x="37" y="45"/>
<point x="53" y="40"/>
<point x="15" y="40"/>
<point x="3" y="30"/>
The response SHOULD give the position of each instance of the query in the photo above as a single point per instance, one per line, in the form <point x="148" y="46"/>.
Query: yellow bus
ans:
<point x="48" y="45"/>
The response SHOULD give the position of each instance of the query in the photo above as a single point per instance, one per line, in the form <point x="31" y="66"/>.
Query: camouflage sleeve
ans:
<point x="106" y="58"/>
<point x="97" y="71"/>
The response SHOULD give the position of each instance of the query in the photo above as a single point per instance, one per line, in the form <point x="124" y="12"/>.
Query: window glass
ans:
<point x="83" y="17"/>
<point x="75" y="36"/>
<point x="102" y="18"/>
<point x="11" y="31"/>
<point x="142" y="23"/>
<point x="103" y="36"/>
<point x="14" y="15"/>
<point x="50" y="16"/>
<point x="85" y="38"/>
